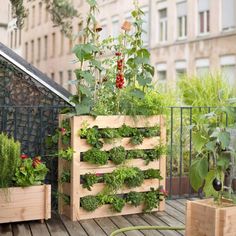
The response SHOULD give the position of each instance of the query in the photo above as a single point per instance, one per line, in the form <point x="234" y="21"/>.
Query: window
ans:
<point x="39" y="49"/>
<point x="70" y="42"/>
<point x="163" y="25"/>
<point x="15" y="43"/>
<point x="32" y="51"/>
<point x="62" y="43"/>
<point x="104" y="32"/>
<point x="115" y="26"/>
<point x="161" y="76"/>
<point x="26" y="51"/>
<point x="182" y="20"/>
<point x="202" y="67"/>
<point x="53" y="44"/>
<point x="203" y="16"/>
<point x="61" y="77"/>
<point x="69" y="80"/>
<point x="45" y="47"/>
<point x="228" y="14"/>
<point x="52" y="76"/>
<point x="145" y="34"/>
<point x="46" y="13"/>
<point x="33" y="17"/>
<point x="180" y="68"/>
<point x="11" y="40"/>
<point x="19" y="37"/>
<point x="228" y="68"/>
<point x="40" y="13"/>
<point x="80" y="33"/>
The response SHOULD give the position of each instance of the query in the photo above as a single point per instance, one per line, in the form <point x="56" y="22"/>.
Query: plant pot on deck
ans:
<point x="22" y="204"/>
<point x="204" y="218"/>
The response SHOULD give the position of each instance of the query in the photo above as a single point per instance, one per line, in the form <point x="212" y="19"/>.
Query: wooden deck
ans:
<point x="174" y="215"/>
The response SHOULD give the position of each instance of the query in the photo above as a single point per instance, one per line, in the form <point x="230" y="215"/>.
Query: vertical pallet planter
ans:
<point x="22" y="204"/>
<point x="204" y="218"/>
<point x="78" y="167"/>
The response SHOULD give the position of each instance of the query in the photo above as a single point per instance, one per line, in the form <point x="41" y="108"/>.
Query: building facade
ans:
<point x="183" y="36"/>
<point x="4" y="9"/>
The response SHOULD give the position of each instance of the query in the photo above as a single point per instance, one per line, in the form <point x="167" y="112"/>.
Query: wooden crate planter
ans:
<point x="22" y="204"/>
<point x="204" y="218"/>
<point x="78" y="168"/>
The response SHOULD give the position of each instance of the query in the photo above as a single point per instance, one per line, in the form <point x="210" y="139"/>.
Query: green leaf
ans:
<point x="224" y="138"/>
<point x="82" y="109"/>
<point x="143" y="56"/>
<point x="211" y="146"/>
<point x="137" y="93"/>
<point x="199" y="141"/>
<point x="142" y="80"/>
<point x="96" y="64"/>
<point x="198" y="171"/>
<point x="149" y="69"/>
<point x="224" y="160"/>
<point x="88" y="77"/>
<point x="208" y="187"/>
<point x="84" y="90"/>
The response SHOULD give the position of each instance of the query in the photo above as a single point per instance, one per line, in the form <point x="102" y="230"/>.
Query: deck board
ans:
<point x="174" y="215"/>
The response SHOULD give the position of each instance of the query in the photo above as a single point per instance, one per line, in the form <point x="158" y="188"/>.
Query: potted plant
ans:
<point x="23" y="196"/>
<point x="214" y="216"/>
<point x="114" y="144"/>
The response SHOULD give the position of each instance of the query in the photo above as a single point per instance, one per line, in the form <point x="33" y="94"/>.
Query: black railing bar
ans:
<point x="41" y="106"/>
<point x="180" y="150"/>
<point x="190" y="146"/>
<point x="171" y="150"/>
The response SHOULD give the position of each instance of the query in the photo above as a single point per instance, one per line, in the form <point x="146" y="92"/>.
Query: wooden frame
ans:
<point x="78" y="168"/>
<point x="204" y="218"/>
<point x="22" y="204"/>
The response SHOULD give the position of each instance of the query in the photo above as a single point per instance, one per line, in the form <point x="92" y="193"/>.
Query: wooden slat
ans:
<point x="56" y="227"/>
<point x="137" y="220"/>
<point x="175" y="213"/>
<point x="21" y="229"/>
<point x="117" y="121"/>
<point x="39" y="229"/>
<point x="121" y="222"/>
<point x="105" y="211"/>
<point x="85" y="167"/>
<point x="74" y="228"/>
<point x="6" y="230"/>
<point x="147" y="184"/>
<point x="180" y="207"/>
<point x="151" y="219"/>
<point x="148" y="143"/>
<point x="92" y="228"/>
<point x="107" y="225"/>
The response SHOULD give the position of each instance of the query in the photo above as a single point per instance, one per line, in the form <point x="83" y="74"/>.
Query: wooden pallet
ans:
<point x="78" y="168"/>
<point x="29" y="203"/>
<point x="204" y="218"/>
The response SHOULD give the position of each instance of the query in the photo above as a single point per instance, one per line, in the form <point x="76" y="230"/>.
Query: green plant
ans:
<point x="116" y="179"/>
<point x="64" y="197"/>
<point x="151" y="200"/>
<point x="126" y="131"/>
<point x="117" y="203"/>
<point x="93" y="136"/>
<point x="211" y="141"/>
<point x="65" y="176"/>
<point x="134" y="198"/>
<point x="109" y="133"/>
<point x="137" y="138"/>
<point x="155" y="154"/>
<point x="117" y="155"/>
<point x="9" y="159"/>
<point x="89" y="180"/>
<point x="90" y="203"/>
<point x="96" y="156"/>
<point x="135" y="180"/>
<point x="152" y="174"/>
<point x="66" y="154"/>
<point x="133" y="154"/>
<point x="150" y="132"/>
<point x="30" y="172"/>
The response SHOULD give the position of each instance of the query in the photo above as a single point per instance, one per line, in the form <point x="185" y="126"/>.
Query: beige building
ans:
<point x="192" y="36"/>
<point x="4" y="9"/>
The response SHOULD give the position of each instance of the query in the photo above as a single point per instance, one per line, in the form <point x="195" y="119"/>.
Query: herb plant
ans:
<point x="96" y="156"/>
<point x="134" y="198"/>
<point x="135" y="180"/>
<point x="65" y="176"/>
<point x="151" y="200"/>
<point x="89" y="180"/>
<point x="152" y="174"/>
<point x="117" y="155"/>
<point x="66" y="154"/>
<point x="90" y="203"/>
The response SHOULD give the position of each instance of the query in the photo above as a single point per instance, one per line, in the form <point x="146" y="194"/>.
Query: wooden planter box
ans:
<point x="22" y="204"/>
<point x="203" y="218"/>
<point x="78" y="168"/>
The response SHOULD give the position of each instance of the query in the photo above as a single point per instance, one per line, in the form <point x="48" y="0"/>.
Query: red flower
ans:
<point x="36" y="161"/>
<point x="98" y="174"/>
<point x="120" y="81"/>
<point x="63" y="131"/>
<point x="23" y="156"/>
<point x="164" y="192"/>
<point x="118" y="54"/>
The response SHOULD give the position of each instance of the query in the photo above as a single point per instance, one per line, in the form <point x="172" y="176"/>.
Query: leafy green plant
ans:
<point x="137" y="138"/>
<point x="66" y="154"/>
<point x="211" y="141"/>
<point x="151" y="200"/>
<point x="96" y="156"/>
<point x="152" y="155"/>
<point x="65" y="176"/>
<point x="93" y="136"/>
<point x="9" y="159"/>
<point x="133" y="154"/>
<point x="110" y="133"/>
<point x="89" y="180"/>
<point x="116" y="179"/>
<point x="30" y="172"/>
<point x="135" y="180"/>
<point x="117" y="155"/>
<point x="117" y="203"/>
<point x="90" y="203"/>
<point x="152" y="174"/>
<point x="151" y="132"/>
<point x="134" y="198"/>
<point x="126" y="131"/>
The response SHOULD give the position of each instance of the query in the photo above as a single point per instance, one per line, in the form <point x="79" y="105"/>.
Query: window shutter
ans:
<point x="203" y="5"/>
<point x="228" y="13"/>
<point x="181" y="9"/>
